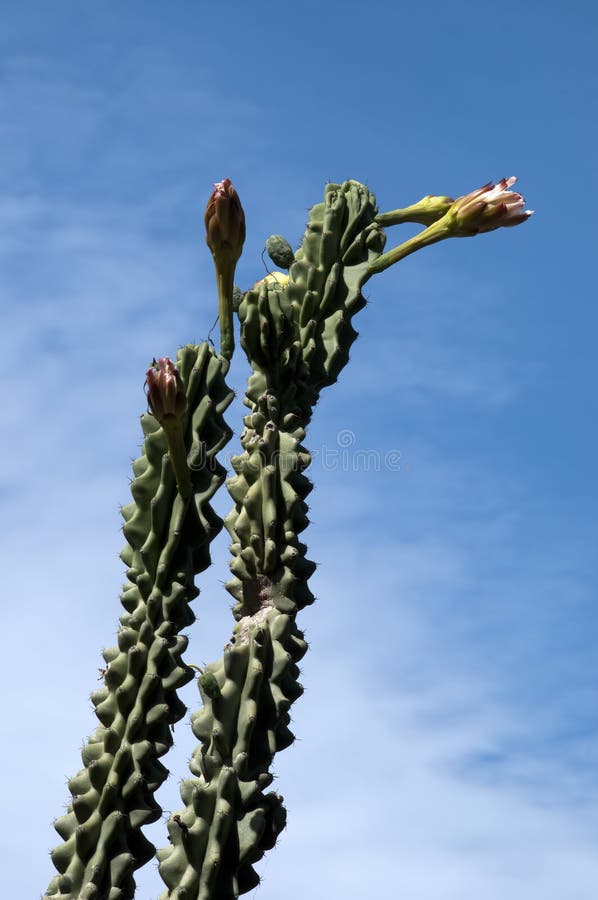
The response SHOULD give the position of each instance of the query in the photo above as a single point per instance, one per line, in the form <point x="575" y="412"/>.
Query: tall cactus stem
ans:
<point x="296" y="333"/>
<point x="168" y="531"/>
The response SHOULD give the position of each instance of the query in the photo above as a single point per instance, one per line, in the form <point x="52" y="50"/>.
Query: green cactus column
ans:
<point x="168" y="530"/>
<point x="296" y="333"/>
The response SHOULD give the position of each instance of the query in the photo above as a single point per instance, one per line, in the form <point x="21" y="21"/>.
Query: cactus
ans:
<point x="296" y="331"/>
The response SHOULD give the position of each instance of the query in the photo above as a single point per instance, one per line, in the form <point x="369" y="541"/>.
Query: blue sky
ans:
<point x="448" y="729"/>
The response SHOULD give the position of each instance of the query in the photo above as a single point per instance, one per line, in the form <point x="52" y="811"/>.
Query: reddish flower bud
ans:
<point x="165" y="392"/>
<point x="225" y="224"/>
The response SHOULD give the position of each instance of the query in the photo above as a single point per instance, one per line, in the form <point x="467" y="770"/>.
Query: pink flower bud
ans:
<point x="491" y="206"/>
<point x="225" y="224"/>
<point x="165" y="392"/>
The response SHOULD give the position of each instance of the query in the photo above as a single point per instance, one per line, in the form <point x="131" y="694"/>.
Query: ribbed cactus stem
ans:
<point x="168" y="532"/>
<point x="296" y="334"/>
<point x="230" y="820"/>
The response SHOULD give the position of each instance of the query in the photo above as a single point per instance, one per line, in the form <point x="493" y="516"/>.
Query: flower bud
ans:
<point x="165" y="391"/>
<point x="225" y="224"/>
<point x="225" y="235"/>
<point x="491" y="206"/>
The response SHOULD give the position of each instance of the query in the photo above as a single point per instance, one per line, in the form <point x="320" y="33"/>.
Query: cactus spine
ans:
<point x="296" y="331"/>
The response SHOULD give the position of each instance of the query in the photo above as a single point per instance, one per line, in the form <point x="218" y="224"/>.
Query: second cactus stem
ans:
<point x="296" y="334"/>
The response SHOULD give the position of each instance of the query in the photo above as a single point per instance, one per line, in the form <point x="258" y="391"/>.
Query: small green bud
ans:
<point x="280" y="252"/>
<point x="209" y="685"/>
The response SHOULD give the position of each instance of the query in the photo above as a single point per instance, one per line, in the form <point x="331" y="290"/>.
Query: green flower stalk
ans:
<point x="425" y="212"/>
<point x="225" y="236"/>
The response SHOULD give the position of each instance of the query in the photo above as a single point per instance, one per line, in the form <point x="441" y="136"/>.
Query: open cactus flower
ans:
<point x="489" y="207"/>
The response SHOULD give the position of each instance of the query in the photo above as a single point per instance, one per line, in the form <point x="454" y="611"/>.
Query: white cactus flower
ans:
<point x="489" y="207"/>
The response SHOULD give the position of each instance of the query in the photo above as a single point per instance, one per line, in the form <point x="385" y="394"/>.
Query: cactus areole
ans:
<point x="296" y="328"/>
